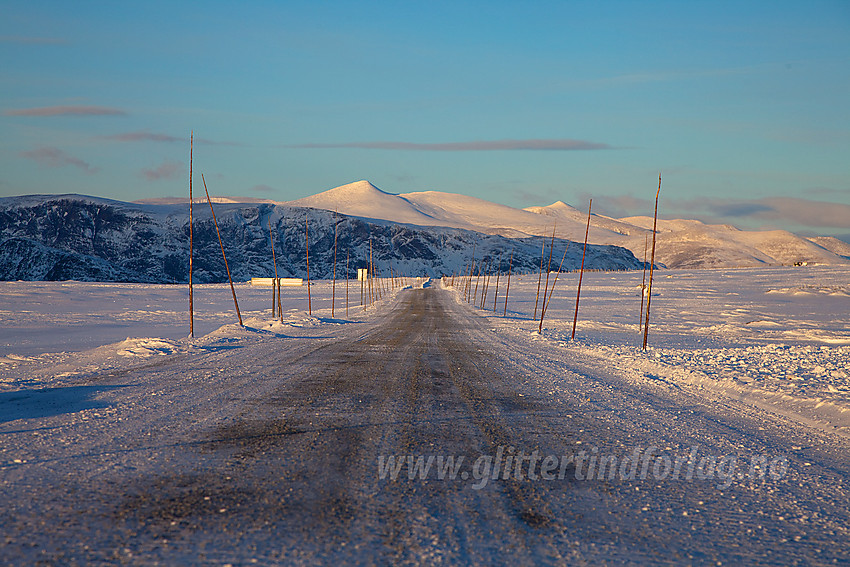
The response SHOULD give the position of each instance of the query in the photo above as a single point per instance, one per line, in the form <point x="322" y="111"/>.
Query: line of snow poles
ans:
<point x="481" y="270"/>
<point x="377" y="286"/>
<point x="373" y="287"/>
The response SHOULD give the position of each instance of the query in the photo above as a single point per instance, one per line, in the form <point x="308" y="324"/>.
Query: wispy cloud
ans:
<point x="208" y="142"/>
<point x="740" y="209"/>
<point x="775" y="211"/>
<point x="54" y="157"/>
<point x="618" y="206"/>
<point x="631" y="79"/>
<point x="32" y="40"/>
<point x="66" y="111"/>
<point x="146" y="136"/>
<point x="828" y="191"/>
<point x="806" y="212"/>
<point x="475" y="146"/>
<point x="166" y="170"/>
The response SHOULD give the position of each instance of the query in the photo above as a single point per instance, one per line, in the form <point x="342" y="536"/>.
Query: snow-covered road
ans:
<point x="419" y="433"/>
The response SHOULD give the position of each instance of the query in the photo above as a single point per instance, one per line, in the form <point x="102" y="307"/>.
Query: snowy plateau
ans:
<point x="427" y="420"/>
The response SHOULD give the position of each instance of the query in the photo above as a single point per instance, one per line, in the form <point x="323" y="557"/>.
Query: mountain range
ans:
<point x="60" y="237"/>
<point x="681" y="243"/>
<point x="75" y="237"/>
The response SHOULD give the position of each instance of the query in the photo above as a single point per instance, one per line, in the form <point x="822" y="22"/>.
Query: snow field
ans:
<point x="778" y="338"/>
<point x="54" y="333"/>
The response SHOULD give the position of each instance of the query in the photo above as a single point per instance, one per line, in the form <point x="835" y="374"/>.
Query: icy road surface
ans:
<point x="422" y="434"/>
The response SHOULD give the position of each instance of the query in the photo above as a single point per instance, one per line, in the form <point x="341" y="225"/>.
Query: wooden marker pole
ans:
<point x="307" y="248"/>
<point x="369" y="274"/>
<point x="498" y="273"/>
<point x="485" y="269"/>
<point x="508" y="287"/>
<point x="333" y="286"/>
<point x="477" y="282"/>
<point x="539" y="276"/>
<point x="548" y="270"/>
<point x="223" y="255"/>
<point x="279" y="302"/>
<point x="547" y="300"/>
<point x="651" y="266"/>
<point x="276" y="281"/>
<point x="469" y="274"/>
<point x="581" y="273"/>
<point x="643" y="283"/>
<point x="191" y="243"/>
<point x="486" y="286"/>
<point x="347" y="277"/>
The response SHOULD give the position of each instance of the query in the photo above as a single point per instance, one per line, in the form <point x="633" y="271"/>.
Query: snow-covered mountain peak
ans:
<point x="358" y="190"/>
<point x="556" y="209"/>
<point x="357" y="194"/>
<point x="363" y="199"/>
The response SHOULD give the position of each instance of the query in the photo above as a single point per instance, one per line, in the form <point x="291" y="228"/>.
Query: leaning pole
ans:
<point x="651" y="266"/>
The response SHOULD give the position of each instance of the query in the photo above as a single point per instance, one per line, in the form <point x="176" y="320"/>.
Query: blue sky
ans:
<point x="742" y="106"/>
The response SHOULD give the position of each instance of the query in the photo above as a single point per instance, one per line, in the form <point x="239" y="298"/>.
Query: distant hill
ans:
<point x="832" y="244"/>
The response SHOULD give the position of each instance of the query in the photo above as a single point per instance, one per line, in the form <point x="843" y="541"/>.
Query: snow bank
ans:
<point x="146" y="347"/>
